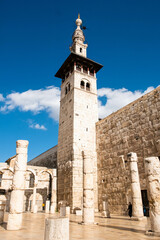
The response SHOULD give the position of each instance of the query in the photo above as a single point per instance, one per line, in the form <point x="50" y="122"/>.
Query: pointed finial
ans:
<point x="78" y="22"/>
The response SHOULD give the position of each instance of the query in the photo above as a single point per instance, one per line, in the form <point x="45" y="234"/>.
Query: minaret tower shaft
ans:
<point x="78" y="115"/>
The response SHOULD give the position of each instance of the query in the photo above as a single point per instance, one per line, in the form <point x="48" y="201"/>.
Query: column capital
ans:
<point x="132" y="157"/>
<point x="22" y="143"/>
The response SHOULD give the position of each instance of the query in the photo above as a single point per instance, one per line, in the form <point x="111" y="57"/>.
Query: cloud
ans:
<point x="1" y="98"/>
<point x="37" y="126"/>
<point x="48" y="99"/>
<point x="116" y="99"/>
<point x="36" y="101"/>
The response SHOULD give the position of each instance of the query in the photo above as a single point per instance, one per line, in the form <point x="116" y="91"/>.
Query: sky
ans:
<point x="35" y="35"/>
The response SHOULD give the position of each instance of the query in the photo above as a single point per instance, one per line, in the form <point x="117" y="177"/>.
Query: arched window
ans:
<point x="69" y="87"/>
<point x="82" y="84"/>
<point x="80" y="50"/>
<point x="1" y="179"/>
<point x="66" y="90"/>
<point x="88" y="86"/>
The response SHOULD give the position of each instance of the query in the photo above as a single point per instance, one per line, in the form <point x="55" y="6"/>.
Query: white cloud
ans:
<point x="48" y="100"/>
<point x="1" y="98"/>
<point x="116" y="99"/>
<point x="35" y="101"/>
<point x="37" y="126"/>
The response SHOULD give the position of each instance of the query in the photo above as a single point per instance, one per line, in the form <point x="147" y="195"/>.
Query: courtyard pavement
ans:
<point x="116" y="228"/>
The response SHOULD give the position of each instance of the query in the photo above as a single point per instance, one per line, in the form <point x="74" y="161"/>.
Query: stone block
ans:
<point x="78" y="212"/>
<point x="14" y="221"/>
<point x="62" y="211"/>
<point x="57" y="229"/>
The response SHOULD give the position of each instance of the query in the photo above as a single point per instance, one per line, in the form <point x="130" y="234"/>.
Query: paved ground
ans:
<point x="115" y="228"/>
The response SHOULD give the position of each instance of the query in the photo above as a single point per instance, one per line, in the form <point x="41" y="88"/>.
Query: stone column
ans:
<point x="57" y="228"/>
<point x="152" y="170"/>
<point x="105" y="211"/>
<point x="137" y="209"/>
<point x="88" y="191"/>
<point x="47" y="206"/>
<point x="17" y="194"/>
<point x="2" y="208"/>
<point x="54" y="192"/>
<point x="34" y="206"/>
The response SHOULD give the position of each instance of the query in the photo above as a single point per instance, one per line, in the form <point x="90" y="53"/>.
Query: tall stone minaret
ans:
<point x="78" y="115"/>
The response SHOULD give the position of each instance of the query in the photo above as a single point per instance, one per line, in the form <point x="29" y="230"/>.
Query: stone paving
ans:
<point x="117" y="227"/>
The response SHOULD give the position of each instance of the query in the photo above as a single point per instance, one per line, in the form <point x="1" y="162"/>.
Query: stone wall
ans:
<point x="134" y="128"/>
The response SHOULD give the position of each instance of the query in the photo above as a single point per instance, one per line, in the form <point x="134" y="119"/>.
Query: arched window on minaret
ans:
<point x="88" y="86"/>
<point x="82" y="84"/>
<point x="69" y="87"/>
<point x="66" y="90"/>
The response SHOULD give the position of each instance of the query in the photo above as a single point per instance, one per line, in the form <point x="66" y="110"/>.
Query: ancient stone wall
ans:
<point x="134" y="128"/>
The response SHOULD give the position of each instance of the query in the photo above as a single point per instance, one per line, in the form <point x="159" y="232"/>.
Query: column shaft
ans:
<point x="18" y="185"/>
<point x="137" y="209"/>
<point x="152" y="170"/>
<point x="54" y="192"/>
<point x="88" y="191"/>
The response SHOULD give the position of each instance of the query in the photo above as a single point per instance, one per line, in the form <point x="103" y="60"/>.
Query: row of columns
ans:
<point x="152" y="171"/>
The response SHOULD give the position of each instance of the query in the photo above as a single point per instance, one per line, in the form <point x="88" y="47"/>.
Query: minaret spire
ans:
<point x="78" y="45"/>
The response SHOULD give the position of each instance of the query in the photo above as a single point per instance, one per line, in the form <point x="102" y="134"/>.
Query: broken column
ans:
<point x="17" y="194"/>
<point x="88" y="190"/>
<point x="105" y="210"/>
<point x="57" y="228"/>
<point x="152" y="170"/>
<point x="54" y="192"/>
<point x="2" y="208"/>
<point x="34" y="206"/>
<point x="137" y="209"/>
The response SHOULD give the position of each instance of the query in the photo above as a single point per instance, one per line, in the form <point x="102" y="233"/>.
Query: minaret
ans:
<point x="78" y="115"/>
<point x="78" y="39"/>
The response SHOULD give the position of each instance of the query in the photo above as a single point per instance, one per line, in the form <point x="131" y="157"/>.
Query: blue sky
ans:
<point x="35" y="35"/>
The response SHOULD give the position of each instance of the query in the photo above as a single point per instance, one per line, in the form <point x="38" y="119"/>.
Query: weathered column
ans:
<point x="2" y="208"/>
<point x="105" y="210"/>
<point x="54" y="192"/>
<point x="88" y="191"/>
<point x="17" y="194"/>
<point x="34" y="206"/>
<point x="57" y="228"/>
<point x="137" y="209"/>
<point x="47" y="206"/>
<point x="152" y="170"/>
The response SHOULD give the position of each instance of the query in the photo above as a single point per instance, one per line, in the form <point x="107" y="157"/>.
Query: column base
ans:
<point x="105" y="215"/>
<point x="14" y="221"/>
<point x="53" y="209"/>
<point x="138" y="218"/>
<point x="35" y="208"/>
<point x="151" y="233"/>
